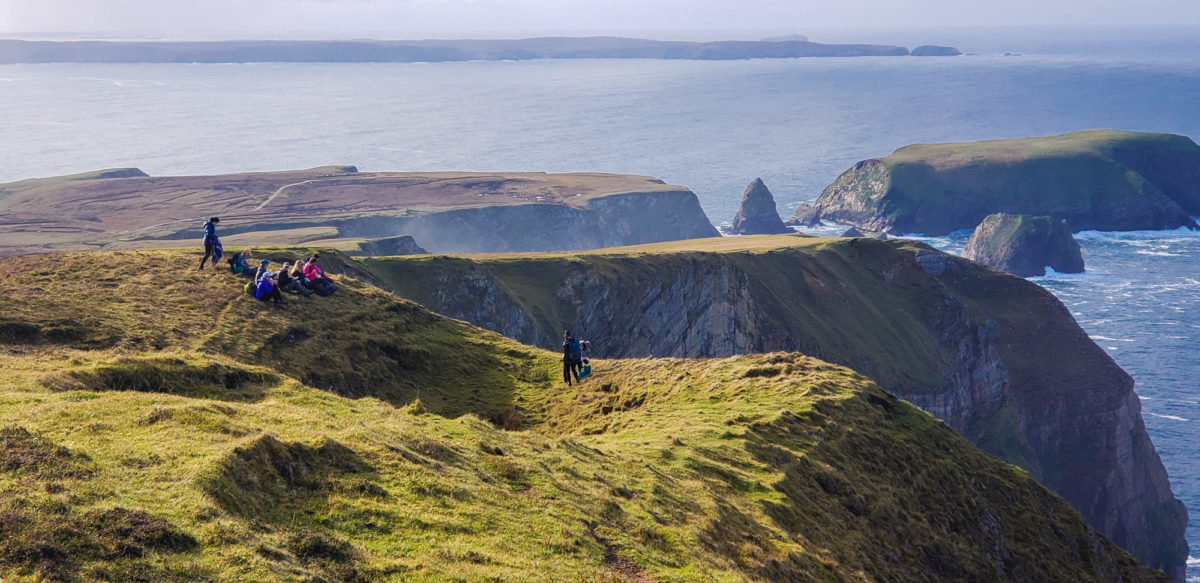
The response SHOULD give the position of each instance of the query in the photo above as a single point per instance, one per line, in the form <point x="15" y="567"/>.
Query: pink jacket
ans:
<point x="312" y="272"/>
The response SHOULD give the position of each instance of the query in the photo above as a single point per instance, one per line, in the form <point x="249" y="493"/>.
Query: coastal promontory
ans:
<point x="443" y="211"/>
<point x="1024" y="245"/>
<point x="165" y="427"/>
<point x="1097" y="179"/>
<point x="996" y="357"/>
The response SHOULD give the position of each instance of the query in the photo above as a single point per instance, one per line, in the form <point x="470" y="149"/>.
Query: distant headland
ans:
<point x="410" y="51"/>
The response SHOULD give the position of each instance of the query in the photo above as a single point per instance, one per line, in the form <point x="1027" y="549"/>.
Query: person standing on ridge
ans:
<point x="572" y="357"/>
<point x="212" y="245"/>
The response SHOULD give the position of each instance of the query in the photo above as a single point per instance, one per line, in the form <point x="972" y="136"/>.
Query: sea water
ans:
<point x="711" y="126"/>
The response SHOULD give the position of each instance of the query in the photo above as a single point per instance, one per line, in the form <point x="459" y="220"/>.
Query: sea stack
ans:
<point x="758" y="214"/>
<point x="1024" y="245"/>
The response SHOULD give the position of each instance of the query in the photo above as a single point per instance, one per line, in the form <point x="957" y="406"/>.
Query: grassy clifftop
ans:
<point x="160" y="426"/>
<point x="1097" y="179"/>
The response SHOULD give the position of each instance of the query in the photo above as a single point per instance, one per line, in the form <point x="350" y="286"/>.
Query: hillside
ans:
<point x="160" y="426"/>
<point x="997" y="358"/>
<point x="1099" y="179"/>
<point x="444" y="211"/>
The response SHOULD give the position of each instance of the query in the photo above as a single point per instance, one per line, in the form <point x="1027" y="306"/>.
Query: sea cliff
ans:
<point x="970" y="345"/>
<point x="443" y="211"/>
<point x="360" y="437"/>
<point x="1099" y="179"/>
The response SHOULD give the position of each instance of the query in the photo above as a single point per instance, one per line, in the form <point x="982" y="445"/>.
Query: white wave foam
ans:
<point x="1171" y="417"/>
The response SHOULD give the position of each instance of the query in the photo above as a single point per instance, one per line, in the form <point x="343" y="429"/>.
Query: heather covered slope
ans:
<point x="997" y="358"/>
<point x="164" y="427"/>
<point x="1097" y="179"/>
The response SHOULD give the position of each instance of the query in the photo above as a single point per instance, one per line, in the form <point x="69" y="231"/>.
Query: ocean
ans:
<point x="711" y="126"/>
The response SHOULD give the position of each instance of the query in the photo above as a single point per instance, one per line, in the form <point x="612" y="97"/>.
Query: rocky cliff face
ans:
<point x="611" y="221"/>
<point x="1023" y="245"/>
<point x="758" y="214"/>
<point x="1106" y="180"/>
<point x="997" y="358"/>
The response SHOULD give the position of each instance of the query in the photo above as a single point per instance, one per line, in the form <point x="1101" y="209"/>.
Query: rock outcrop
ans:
<point x="1098" y="179"/>
<point x="447" y="212"/>
<point x="968" y="344"/>
<point x="402" y="245"/>
<point x="758" y="214"/>
<point x="1024" y="245"/>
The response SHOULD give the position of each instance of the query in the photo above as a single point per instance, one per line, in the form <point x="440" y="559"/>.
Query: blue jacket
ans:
<point x="264" y="288"/>
<point x="210" y="233"/>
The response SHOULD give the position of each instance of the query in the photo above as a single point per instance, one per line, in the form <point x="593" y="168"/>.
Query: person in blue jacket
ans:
<point x="212" y="245"/>
<point x="267" y="290"/>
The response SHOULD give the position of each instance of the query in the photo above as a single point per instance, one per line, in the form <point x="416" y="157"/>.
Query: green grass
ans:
<point x="179" y="430"/>
<point x="1105" y="179"/>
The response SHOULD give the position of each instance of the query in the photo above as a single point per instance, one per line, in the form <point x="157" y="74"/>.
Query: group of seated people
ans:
<point x="301" y="277"/>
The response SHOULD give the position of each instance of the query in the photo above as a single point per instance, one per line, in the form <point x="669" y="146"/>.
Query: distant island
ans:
<point x="411" y="51"/>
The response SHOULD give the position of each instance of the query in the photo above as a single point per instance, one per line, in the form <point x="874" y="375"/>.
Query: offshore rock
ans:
<point x="758" y="214"/>
<point x="1024" y="245"/>
<point x="805" y="216"/>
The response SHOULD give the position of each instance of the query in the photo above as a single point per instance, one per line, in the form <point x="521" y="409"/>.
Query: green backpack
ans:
<point x="249" y="289"/>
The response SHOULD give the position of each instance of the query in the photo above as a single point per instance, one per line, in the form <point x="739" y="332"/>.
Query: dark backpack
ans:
<point x="574" y="350"/>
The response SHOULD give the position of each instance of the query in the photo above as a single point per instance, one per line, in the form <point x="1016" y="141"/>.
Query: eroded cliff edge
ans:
<point x="999" y="359"/>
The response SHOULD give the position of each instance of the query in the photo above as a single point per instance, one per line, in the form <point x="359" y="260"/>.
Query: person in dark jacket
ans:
<point x="212" y="245"/>
<point x="288" y="283"/>
<point x="266" y="289"/>
<point x="572" y="357"/>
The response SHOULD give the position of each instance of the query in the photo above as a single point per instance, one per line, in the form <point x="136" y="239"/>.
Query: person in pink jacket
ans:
<point x="316" y="277"/>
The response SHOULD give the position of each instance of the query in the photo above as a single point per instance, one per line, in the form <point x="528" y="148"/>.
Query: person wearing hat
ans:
<point x="266" y="289"/>
<point x="289" y="283"/>
<point x="262" y="270"/>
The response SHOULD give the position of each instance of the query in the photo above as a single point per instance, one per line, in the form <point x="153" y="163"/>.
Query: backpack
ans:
<point x="234" y="266"/>
<point x="249" y="289"/>
<point x="574" y="350"/>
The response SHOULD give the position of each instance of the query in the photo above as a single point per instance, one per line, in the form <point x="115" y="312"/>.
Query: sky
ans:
<point x="403" y="19"/>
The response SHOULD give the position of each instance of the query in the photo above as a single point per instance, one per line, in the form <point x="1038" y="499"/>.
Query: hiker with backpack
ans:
<point x="240" y="264"/>
<point x="212" y="245"/>
<point x="572" y="357"/>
